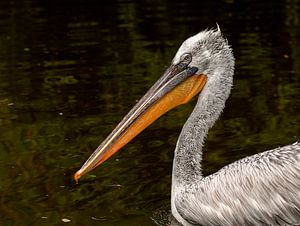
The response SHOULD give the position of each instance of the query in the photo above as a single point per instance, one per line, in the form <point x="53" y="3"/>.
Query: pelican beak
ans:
<point x="175" y="87"/>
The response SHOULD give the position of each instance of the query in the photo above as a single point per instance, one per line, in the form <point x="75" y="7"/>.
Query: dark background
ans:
<point x="69" y="71"/>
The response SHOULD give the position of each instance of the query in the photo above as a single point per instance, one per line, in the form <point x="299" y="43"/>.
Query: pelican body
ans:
<point x="262" y="189"/>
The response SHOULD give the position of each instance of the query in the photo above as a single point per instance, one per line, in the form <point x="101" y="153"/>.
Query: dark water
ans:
<point x="69" y="70"/>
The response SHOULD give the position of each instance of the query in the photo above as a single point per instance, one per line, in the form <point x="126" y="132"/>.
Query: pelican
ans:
<point x="262" y="189"/>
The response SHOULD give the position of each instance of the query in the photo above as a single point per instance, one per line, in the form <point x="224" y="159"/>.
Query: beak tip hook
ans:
<point x="77" y="175"/>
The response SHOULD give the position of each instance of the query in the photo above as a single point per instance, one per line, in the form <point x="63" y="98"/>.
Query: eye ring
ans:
<point x="186" y="57"/>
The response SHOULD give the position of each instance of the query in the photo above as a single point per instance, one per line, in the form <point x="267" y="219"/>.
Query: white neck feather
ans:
<point x="211" y="102"/>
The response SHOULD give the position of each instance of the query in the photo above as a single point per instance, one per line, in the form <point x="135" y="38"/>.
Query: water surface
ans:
<point x="69" y="71"/>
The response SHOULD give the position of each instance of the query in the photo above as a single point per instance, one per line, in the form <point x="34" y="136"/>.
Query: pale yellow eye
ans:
<point x="186" y="57"/>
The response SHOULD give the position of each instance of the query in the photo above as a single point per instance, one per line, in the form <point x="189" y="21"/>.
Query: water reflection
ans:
<point x="69" y="71"/>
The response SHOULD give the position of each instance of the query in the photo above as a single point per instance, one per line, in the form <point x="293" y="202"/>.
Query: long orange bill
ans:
<point x="175" y="87"/>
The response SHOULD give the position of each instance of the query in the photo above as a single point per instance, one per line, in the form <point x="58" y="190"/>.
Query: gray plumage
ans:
<point x="263" y="189"/>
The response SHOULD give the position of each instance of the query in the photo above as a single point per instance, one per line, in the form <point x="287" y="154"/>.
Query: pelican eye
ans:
<point x="187" y="57"/>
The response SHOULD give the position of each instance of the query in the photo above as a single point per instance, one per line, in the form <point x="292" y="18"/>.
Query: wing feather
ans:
<point x="257" y="190"/>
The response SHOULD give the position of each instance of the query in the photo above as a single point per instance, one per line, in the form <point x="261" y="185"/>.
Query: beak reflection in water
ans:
<point x="175" y="87"/>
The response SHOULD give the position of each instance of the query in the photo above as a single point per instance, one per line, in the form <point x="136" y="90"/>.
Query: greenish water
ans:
<point x="69" y="71"/>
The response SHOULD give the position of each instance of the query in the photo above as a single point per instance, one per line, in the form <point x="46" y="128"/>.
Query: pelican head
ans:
<point x="206" y="49"/>
<point x="193" y="66"/>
